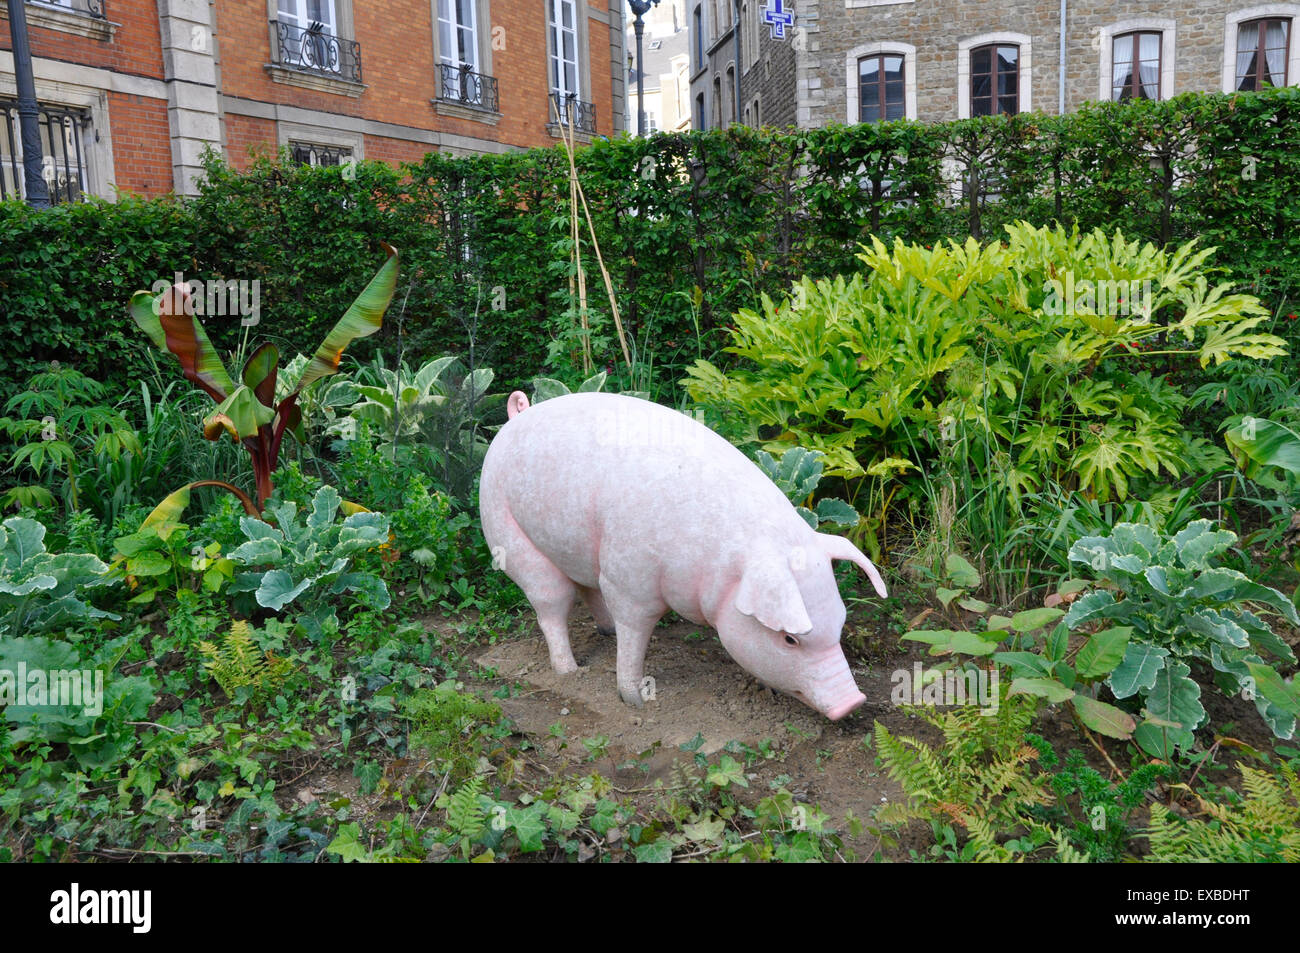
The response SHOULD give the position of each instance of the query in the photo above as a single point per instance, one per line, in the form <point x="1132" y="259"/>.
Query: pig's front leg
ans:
<point x="633" y="641"/>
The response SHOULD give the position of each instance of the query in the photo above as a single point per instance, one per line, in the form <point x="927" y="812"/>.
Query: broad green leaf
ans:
<point x="240" y="415"/>
<point x="1024" y="664"/>
<point x="1048" y="688"/>
<point x="1102" y="652"/>
<point x="1032" y="619"/>
<point x="362" y="319"/>
<point x="1175" y="697"/>
<point x="960" y="572"/>
<point x="1103" y="718"/>
<point x="837" y="511"/>
<point x="278" y="589"/>
<point x="1271" y="686"/>
<point x="1138" y="669"/>
<point x="325" y="504"/>
<point x="1098" y="604"/>
<point x="1256" y="443"/>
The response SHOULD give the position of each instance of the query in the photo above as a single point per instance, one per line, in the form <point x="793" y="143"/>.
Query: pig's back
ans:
<point x="592" y="478"/>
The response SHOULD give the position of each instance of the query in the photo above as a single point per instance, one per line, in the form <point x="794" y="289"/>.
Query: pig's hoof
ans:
<point x="632" y="698"/>
<point x="608" y="633"/>
<point x="566" y="667"/>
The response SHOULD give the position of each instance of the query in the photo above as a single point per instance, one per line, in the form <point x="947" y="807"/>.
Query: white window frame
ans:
<point x="452" y="57"/>
<point x="1024" y="90"/>
<point x="96" y="141"/>
<point x="1168" y="49"/>
<point x="906" y="50"/>
<point x="1263" y="11"/>
<point x="555" y="61"/>
<point x="287" y="132"/>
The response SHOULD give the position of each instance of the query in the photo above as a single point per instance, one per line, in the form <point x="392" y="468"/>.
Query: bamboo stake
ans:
<point x="566" y="137"/>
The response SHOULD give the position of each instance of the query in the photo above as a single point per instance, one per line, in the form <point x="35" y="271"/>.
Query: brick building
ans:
<point x="862" y="60"/>
<point x="133" y="91"/>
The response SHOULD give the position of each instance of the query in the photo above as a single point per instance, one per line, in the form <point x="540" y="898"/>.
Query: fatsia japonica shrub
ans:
<point x="1182" y="610"/>
<point x="1018" y="353"/>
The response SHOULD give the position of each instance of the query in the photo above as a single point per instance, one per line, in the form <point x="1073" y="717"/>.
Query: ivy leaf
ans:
<point x="728" y="771"/>
<point x="659" y="851"/>
<point x="528" y="825"/>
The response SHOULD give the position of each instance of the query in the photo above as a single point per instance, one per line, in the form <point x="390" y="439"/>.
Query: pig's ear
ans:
<point x="768" y="592"/>
<point x="837" y="547"/>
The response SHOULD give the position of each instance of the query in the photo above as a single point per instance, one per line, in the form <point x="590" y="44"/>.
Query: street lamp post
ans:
<point x="38" y="196"/>
<point x="639" y="9"/>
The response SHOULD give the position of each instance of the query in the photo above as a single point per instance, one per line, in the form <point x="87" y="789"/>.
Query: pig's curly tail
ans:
<point x="516" y="403"/>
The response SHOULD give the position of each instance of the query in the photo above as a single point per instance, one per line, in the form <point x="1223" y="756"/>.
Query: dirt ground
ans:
<point x="699" y="689"/>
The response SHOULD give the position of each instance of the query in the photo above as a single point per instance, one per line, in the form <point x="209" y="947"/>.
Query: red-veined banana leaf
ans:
<point x="248" y="411"/>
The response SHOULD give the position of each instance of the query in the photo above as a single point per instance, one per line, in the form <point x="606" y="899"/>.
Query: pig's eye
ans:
<point x="791" y="640"/>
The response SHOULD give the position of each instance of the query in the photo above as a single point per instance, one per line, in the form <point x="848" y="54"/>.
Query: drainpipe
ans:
<point x="1060" y="104"/>
<point x="735" y="20"/>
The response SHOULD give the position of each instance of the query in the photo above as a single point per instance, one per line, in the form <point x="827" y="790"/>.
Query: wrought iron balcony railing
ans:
<point x="460" y="84"/>
<point x="91" y="8"/>
<point x="574" y="112"/>
<point x="63" y="156"/>
<point x="315" y="51"/>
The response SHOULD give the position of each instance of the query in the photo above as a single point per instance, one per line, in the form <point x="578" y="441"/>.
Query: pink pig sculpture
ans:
<point x="640" y="509"/>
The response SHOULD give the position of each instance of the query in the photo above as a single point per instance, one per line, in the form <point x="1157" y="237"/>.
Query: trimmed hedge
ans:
<point x="692" y="226"/>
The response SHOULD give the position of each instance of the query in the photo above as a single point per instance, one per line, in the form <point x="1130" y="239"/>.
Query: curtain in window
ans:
<point x="1247" y="48"/>
<point x="1149" y="68"/>
<point x="1275" y="37"/>
<point x="1121" y="72"/>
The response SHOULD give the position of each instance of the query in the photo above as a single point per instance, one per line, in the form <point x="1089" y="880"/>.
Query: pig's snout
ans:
<point x="830" y="688"/>
<point x="851" y="704"/>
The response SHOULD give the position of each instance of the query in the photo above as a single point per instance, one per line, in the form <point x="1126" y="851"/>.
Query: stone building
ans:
<point x="666" y="79"/>
<point x="133" y="91"/>
<point x="933" y="60"/>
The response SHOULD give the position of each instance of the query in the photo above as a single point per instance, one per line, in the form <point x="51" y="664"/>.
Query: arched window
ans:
<point x="881" y="87"/>
<point x="1135" y="65"/>
<point x="1263" y="49"/>
<point x="995" y="79"/>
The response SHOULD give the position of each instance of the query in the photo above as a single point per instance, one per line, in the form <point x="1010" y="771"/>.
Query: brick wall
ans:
<point x="142" y="158"/>
<point x="247" y="132"/>
<point x="135" y="48"/>
<point x="398" y="71"/>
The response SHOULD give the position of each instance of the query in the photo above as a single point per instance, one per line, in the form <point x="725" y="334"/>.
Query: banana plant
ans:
<point x="248" y="409"/>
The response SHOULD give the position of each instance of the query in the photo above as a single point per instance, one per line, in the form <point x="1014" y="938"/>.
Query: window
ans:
<point x="308" y="40"/>
<point x="1135" y="66"/>
<point x="651" y="122"/>
<point x="881" y="87"/>
<point x="698" y="22"/>
<point x="457" y="33"/>
<point x="701" y="118"/>
<point x="310" y="153"/>
<point x="1263" y="49"/>
<point x="995" y="80"/>
<point x="749" y="39"/>
<point x="565" y="77"/>
<point x="717" y="101"/>
<point x="63" y="155"/>
<point x="731" y="96"/>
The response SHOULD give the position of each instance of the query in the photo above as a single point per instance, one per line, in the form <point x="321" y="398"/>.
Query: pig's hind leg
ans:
<point x="599" y="611"/>
<point x="551" y="594"/>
